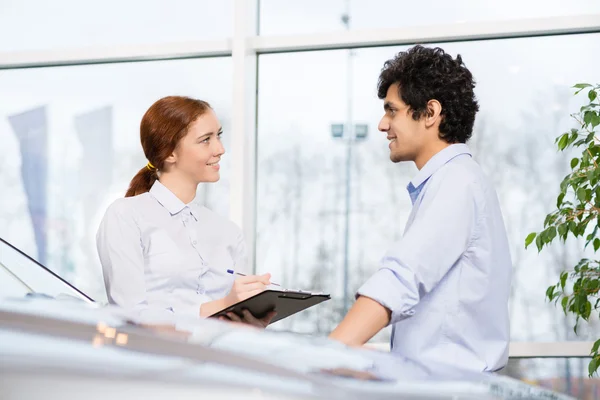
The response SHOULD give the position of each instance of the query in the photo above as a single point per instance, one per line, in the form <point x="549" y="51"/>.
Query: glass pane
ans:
<point x="70" y="146"/>
<point x="562" y="375"/>
<point x="10" y="285"/>
<point x="42" y="25"/>
<point x="525" y="97"/>
<point x="28" y="276"/>
<point x="311" y="16"/>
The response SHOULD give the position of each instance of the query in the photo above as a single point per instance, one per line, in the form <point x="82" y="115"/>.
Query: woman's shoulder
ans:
<point x="128" y="206"/>
<point x="219" y="221"/>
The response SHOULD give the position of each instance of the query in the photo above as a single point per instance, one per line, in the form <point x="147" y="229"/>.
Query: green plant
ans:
<point x="578" y="215"/>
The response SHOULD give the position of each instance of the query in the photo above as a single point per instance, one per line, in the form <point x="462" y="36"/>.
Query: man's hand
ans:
<point x="250" y="319"/>
<point x="363" y="321"/>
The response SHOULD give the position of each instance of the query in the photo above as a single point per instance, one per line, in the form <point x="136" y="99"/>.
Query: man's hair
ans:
<point x="425" y="74"/>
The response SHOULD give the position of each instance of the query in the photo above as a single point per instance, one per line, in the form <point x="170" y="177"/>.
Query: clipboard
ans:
<point x="285" y="302"/>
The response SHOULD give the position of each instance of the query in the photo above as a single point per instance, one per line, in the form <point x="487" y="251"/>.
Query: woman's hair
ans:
<point x="165" y="123"/>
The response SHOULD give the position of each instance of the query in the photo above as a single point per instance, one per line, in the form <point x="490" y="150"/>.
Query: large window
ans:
<point x="306" y="201"/>
<point x="327" y="208"/>
<point x="278" y="17"/>
<point x="70" y="146"/>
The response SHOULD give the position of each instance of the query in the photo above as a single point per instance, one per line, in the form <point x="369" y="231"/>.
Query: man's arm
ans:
<point x="414" y="266"/>
<point x="363" y="321"/>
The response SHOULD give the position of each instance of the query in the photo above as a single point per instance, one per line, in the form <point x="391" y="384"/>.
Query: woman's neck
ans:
<point x="184" y="190"/>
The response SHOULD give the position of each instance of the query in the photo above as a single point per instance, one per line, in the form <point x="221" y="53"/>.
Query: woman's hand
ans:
<point x="247" y="286"/>
<point x="250" y="319"/>
<point x="243" y="287"/>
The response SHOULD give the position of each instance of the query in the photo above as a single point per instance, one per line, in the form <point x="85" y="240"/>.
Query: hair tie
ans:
<point x="150" y="166"/>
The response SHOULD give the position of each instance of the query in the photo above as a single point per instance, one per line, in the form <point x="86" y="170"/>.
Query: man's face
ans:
<point x="404" y="133"/>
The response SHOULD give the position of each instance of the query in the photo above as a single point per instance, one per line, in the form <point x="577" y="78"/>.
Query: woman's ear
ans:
<point x="169" y="161"/>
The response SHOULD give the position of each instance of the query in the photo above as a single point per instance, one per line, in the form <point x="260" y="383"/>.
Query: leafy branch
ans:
<point x="578" y="214"/>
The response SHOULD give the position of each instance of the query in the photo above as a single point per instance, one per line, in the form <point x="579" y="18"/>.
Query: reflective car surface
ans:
<point x="56" y="342"/>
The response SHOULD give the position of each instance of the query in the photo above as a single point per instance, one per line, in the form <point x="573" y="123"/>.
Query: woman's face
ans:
<point x="198" y="153"/>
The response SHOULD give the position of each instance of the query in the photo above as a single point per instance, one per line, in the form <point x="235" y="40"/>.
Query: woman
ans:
<point x="160" y="249"/>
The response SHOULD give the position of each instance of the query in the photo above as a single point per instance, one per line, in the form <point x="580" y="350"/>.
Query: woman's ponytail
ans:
<point x="142" y="181"/>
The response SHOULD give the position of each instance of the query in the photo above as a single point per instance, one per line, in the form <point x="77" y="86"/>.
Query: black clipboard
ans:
<point x="285" y="302"/>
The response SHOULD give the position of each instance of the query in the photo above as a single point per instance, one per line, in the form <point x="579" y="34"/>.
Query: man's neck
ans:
<point x="430" y="151"/>
<point x="183" y="189"/>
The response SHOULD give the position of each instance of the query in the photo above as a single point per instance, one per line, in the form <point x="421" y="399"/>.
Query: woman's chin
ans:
<point x="212" y="178"/>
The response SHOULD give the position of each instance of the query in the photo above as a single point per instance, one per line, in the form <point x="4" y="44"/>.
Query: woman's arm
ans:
<point x="120" y="249"/>
<point x="243" y="288"/>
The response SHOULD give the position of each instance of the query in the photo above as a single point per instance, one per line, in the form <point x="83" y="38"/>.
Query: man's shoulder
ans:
<point x="461" y="171"/>
<point x="468" y="177"/>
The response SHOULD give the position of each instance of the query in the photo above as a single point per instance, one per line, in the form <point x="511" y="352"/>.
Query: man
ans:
<point x="444" y="286"/>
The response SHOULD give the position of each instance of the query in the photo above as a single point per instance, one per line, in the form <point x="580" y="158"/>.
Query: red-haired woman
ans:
<point x="161" y="249"/>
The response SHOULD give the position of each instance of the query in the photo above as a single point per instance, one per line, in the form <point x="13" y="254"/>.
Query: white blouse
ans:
<point x="158" y="253"/>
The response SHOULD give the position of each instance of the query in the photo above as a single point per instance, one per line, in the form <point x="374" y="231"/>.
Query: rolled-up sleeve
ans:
<point x="188" y="310"/>
<point x="442" y="229"/>
<point x="120" y="250"/>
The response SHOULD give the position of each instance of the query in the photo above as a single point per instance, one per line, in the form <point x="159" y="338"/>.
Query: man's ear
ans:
<point x="433" y="115"/>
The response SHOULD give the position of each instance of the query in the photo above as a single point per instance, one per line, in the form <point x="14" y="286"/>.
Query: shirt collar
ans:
<point x="168" y="199"/>
<point x="437" y="161"/>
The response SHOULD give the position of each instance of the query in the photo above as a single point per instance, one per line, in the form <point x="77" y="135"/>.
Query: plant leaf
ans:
<point x="550" y="292"/>
<point x="563" y="280"/>
<point x="593" y="366"/>
<point x="563" y="303"/>
<point x="587" y="119"/>
<point x="562" y="142"/>
<point x="596" y="346"/>
<point x="574" y="162"/>
<point x="529" y="239"/>
<point x="587" y="310"/>
<point x="581" y="194"/>
<point x="539" y="242"/>
<point x="563" y="229"/>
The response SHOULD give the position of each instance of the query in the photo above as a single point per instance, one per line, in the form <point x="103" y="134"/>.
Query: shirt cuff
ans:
<point x="188" y="311"/>
<point x="394" y="291"/>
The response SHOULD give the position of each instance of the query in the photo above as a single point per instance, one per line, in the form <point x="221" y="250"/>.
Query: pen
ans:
<point x="230" y="271"/>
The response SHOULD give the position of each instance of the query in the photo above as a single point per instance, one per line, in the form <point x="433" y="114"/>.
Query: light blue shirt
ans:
<point x="447" y="281"/>
<point x="158" y="253"/>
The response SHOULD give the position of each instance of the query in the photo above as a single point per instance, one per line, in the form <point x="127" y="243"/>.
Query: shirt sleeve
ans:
<point x="442" y="230"/>
<point x="120" y="250"/>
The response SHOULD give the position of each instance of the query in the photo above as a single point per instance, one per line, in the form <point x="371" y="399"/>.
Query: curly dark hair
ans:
<point x="424" y="74"/>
